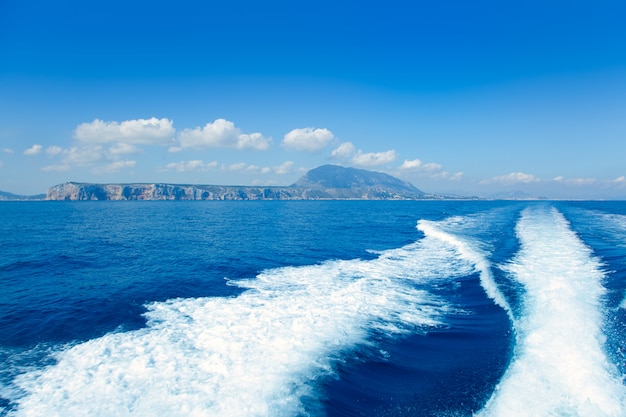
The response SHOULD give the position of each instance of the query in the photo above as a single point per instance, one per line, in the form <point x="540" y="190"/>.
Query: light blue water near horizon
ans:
<point x="319" y="308"/>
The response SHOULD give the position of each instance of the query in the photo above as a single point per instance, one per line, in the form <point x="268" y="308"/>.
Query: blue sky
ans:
<point x="473" y="98"/>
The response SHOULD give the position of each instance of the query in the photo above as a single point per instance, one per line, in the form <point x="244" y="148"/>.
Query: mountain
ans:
<point x="333" y="181"/>
<point x="328" y="182"/>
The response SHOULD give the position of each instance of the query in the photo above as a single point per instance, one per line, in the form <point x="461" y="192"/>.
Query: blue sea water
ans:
<point x="313" y="308"/>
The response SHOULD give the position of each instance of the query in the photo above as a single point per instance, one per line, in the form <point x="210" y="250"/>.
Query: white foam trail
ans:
<point x="258" y="354"/>
<point x="559" y="367"/>
<point x="472" y="254"/>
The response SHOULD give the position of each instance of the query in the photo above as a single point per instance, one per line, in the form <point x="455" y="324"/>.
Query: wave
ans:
<point x="470" y="251"/>
<point x="560" y="367"/>
<point x="262" y="353"/>
<point x="614" y="226"/>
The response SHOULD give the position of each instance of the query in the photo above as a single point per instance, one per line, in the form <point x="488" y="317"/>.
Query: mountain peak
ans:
<point x="339" y="177"/>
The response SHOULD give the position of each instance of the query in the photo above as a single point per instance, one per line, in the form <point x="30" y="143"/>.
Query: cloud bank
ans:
<point x="193" y="165"/>
<point x="33" y="150"/>
<point x="348" y="152"/>
<point x="282" y="169"/>
<point x="151" y="131"/>
<point x="220" y="134"/>
<point x="373" y="159"/>
<point x="114" y="167"/>
<point x="345" y="150"/>
<point x="512" y="178"/>
<point x="308" y="139"/>
<point x="430" y="170"/>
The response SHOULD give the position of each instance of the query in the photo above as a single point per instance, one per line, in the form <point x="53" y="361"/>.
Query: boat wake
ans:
<point x="560" y="367"/>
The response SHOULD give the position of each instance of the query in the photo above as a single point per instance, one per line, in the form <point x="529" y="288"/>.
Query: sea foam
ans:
<point x="262" y="353"/>
<point x="560" y="367"/>
<point x="469" y="250"/>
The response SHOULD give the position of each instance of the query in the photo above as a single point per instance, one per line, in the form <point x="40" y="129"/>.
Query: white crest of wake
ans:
<point x="258" y="354"/>
<point x="472" y="254"/>
<point x="560" y="367"/>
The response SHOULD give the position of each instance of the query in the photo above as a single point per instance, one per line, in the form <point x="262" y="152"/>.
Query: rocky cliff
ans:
<point x="158" y="191"/>
<point x="325" y="182"/>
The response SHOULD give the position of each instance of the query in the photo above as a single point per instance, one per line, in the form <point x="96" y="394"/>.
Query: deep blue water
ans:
<point x="311" y="308"/>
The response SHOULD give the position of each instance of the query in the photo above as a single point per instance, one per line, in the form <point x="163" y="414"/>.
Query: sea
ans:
<point x="313" y="308"/>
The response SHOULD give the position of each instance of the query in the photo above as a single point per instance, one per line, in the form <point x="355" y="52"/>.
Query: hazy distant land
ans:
<point x="327" y="182"/>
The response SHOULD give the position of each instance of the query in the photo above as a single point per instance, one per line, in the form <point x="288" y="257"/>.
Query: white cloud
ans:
<point x="418" y="165"/>
<point x="431" y="170"/>
<point x="432" y="167"/>
<point x="194" y="165"/>
<point x="211" y="164"/>
<point x="82" y="155"/>
<point x="56" y="168"/>
<point x="513" y="178"/>
<point x="307" y="139"/>
<point x="412" y="165"/>
<point x="239" y="166"/>
<point x="582" y="182"/>
<point x="619" y="181"/>
<point x="220" y="134"/>
<point x="575" y="181"/>
<point x="113" y="167"/>
<point x="151" y="131"/>
<point x="33" y="150"/>
<point x="344" y="150"/>
<point x="373" y="159"/>
<point x="252" y="141"/>
<point x="8" y="150"/>
<point x="284" y="168"/>
<point x="444" y="175"/>
<point x="348" y="152"/>
<point x="90" y="155"/>
<point x="124" y="149"/>
<point x="258" y="170"/>
<point x="54" y="150"/>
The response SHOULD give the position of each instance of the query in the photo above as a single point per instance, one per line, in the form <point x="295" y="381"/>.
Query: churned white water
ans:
<point x="469" y="251"/>
<point x="560" y="367"/>
<point x="261" y="353"/>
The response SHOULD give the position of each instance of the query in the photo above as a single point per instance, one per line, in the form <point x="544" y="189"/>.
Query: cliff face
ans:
<point x="82" y="191"/>
<point x="326" y="182"/>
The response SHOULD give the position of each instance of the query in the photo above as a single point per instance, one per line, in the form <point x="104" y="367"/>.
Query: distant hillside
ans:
<point x="333" y="181"/>
<point x="326" y="182"/>
<point x="5" y="196"/>
<point x="515" y="195"/>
